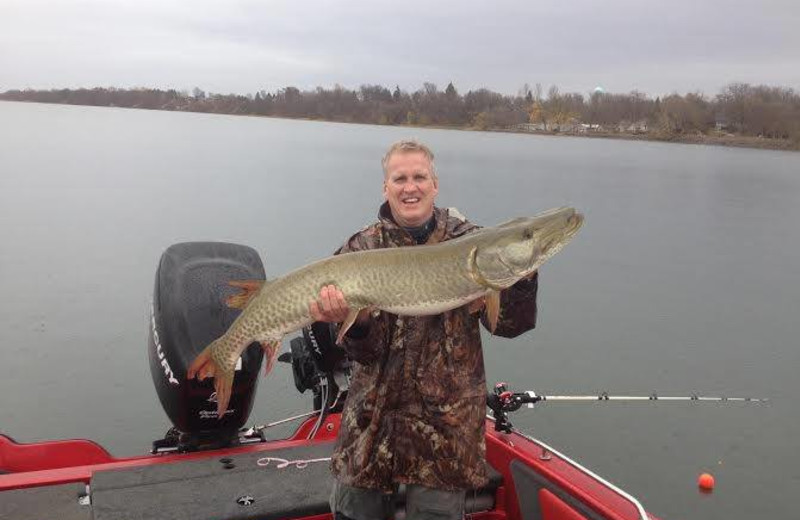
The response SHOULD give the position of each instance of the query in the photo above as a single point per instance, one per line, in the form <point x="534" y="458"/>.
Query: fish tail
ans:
<point x="223" y="383"/>
<point x="270" y="349"/>
<point x="203" y="365"/>
<point x="209" y="364"/>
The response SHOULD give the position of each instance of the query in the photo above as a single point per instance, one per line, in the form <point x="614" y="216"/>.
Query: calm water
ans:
<point x="685" y="278"/>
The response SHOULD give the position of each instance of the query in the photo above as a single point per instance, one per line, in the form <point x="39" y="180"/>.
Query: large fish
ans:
<point x="415" y="281"/>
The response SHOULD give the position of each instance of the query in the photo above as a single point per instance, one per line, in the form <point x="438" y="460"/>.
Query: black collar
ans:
<point x="420" y="234"/>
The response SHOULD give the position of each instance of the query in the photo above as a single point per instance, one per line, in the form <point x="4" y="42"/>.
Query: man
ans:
<point x="416" y="405"/>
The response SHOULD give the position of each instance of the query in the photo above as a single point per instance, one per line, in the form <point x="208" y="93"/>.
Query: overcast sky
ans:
<point x="653" y="46"/>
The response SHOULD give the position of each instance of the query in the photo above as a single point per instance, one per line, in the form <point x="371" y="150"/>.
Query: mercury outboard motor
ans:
<point x="189" y="312"/>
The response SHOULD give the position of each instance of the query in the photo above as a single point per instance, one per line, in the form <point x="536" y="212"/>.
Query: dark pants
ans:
<point x="422" y="503"/>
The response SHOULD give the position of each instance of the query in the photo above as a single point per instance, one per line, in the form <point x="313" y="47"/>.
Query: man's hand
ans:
<point x="331" y="307"/>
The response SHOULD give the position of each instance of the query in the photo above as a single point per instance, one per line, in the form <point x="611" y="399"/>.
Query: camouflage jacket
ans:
<point x="416" y="407"/>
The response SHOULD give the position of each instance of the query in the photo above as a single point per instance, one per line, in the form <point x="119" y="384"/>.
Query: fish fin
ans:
<point x="201" y="365"/>
<point x="249" y="289"/>
<point x="346" y="324"/>
<point x="270" y="349"/>
<point x="493" y="309"/>
<point x="223" y="384"/>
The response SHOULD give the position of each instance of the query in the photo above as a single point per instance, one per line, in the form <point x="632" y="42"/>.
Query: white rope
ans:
<point x="284" y="463"/>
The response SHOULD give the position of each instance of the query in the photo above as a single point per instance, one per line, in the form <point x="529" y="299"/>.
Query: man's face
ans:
<point x="410" y="188"/>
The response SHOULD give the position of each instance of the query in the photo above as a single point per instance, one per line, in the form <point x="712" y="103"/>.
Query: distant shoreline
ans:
<point x="718" y="139"/>
<point x="729" y="140"/>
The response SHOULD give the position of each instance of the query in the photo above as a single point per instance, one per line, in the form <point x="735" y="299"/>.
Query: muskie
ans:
<point x="415" y="281"/>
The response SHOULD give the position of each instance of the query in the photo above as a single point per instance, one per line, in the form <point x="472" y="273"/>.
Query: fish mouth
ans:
<point x="556" y="236"/>
<point x="562" y="234"/>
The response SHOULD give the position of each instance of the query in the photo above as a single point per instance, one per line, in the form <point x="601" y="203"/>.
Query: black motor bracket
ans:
<point x="318" y="363"/>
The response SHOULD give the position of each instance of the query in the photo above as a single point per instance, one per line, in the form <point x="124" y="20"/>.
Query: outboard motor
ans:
<point x="189" y="312"/>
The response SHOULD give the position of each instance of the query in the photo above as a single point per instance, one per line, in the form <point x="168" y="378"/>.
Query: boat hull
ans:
<point x="285" y="479"/>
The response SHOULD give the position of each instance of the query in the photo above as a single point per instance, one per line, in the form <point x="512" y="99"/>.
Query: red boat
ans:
<point x="215" y="469"/>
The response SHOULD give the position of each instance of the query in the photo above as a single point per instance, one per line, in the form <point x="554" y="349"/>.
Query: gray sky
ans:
<point x="653" y="46"/>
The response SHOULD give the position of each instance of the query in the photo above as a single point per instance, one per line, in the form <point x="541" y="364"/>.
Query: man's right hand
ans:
<point x="331" y="307"/>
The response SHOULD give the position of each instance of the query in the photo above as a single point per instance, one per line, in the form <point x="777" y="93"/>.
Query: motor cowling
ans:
<point x="188" y="312"/>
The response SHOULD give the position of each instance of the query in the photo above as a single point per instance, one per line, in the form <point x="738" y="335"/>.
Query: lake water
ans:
<point x="685" y="278"/>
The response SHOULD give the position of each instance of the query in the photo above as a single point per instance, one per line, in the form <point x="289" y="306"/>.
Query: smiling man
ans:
<point x="415" y="409"/>
<point x="410" y="185"/>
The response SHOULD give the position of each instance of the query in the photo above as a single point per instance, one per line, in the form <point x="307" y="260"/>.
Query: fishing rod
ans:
<point x="503" y="401"/>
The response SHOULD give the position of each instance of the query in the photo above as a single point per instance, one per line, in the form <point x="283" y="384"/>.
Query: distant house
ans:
<point x="589" y="127"/>
<point x="573" y="126"/>
<point x="636" y="127"/>
<point x="530" y="127"/>
<point x="720" y="122"/>
<point x="570" y="127"/>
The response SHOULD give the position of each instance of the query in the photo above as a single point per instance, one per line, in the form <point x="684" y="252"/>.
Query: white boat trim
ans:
<point x="627" y="496"/>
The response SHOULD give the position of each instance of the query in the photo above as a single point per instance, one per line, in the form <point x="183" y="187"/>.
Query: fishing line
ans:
<point x="502" y="401"/>
<point x="324" y="395"/>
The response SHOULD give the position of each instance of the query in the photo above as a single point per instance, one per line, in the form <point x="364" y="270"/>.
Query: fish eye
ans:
<point x="527" y="234"/>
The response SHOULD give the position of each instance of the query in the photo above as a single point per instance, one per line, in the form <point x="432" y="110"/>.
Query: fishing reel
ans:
<point x="502" y="401"/>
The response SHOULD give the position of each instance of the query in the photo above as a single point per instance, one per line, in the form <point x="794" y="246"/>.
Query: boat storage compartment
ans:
<point x="59" y="502"/>
<point x="230" y="488"/>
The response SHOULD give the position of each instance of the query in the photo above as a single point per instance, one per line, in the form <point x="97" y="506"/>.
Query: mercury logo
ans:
<point x="170" y="375"/>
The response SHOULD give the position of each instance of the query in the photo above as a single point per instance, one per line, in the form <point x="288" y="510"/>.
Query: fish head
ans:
<point x="515" y="249"/>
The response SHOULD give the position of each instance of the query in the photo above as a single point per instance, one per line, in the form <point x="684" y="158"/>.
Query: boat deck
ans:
<point x="233" y="487"/>
<point x="286" y="479"/>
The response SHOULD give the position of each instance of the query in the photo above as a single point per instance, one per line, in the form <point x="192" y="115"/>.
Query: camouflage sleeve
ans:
<point x="363" y="343"/>
<point x="517" y="308"/>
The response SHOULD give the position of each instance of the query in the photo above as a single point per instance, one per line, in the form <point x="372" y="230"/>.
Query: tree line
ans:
<point x="739" y="108"/>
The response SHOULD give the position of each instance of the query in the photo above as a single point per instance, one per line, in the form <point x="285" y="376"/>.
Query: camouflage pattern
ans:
<point x="416" y="407"/>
